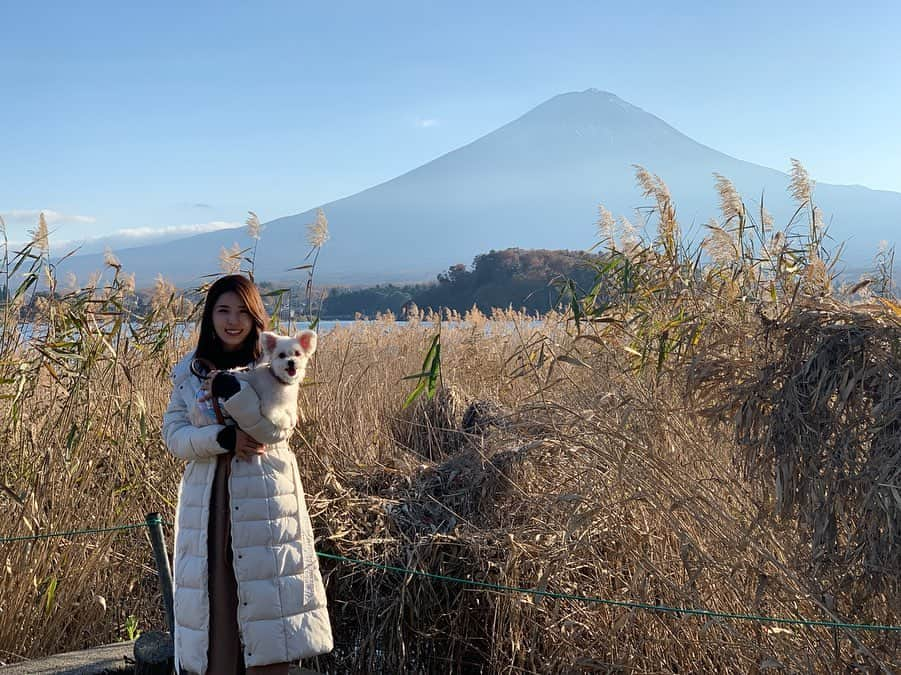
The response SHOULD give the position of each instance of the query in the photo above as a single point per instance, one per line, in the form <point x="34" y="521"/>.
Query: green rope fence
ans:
<point x="617" y="603"/>
<point x="72" y="533"/>
<point x="627" y="604"/>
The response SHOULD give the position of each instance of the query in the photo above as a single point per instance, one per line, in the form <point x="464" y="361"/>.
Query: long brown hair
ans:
<point x="208" y="344"/>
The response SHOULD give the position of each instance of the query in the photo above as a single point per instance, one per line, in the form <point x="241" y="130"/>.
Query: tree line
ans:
<point x="526" y="279"/>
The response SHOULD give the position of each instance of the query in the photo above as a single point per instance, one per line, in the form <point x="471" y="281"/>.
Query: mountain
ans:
<point x="533" y="183"/>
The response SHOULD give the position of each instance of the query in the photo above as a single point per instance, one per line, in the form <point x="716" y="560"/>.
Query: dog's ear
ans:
<point x="268" y="341"/>
<point x="307" y="340"/>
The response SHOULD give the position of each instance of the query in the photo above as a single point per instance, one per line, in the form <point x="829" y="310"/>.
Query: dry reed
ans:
<point x="627" y="449"/>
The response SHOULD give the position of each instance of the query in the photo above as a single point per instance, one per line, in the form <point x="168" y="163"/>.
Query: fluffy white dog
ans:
<point x="276" y="380"/>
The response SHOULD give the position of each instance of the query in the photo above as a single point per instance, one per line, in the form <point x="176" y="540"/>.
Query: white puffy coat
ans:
<point x="282" y="614"/>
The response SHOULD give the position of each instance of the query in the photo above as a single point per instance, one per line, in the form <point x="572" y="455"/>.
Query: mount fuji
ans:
<point x="533" y="183"/>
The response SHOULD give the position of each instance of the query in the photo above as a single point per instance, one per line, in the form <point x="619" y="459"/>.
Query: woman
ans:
<point x="248" y="593"/>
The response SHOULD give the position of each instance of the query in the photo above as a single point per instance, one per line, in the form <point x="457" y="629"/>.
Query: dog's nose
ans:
<point x="291" y="363"/>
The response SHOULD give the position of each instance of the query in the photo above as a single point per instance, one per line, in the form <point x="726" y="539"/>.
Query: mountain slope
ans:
<point x="533" y="183"/>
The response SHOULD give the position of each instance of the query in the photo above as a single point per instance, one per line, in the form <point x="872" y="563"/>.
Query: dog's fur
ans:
<point x="277" y="379"/>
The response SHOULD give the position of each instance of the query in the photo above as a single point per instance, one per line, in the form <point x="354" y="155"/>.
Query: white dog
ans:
<point x="276" y="380"/>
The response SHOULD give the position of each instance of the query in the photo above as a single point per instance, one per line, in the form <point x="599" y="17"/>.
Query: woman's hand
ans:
<point x="246" y="448"/>
<point x="242" y="444"/>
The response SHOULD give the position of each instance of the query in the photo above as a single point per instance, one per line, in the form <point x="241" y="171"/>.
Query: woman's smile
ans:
<point x="231" y="321"/>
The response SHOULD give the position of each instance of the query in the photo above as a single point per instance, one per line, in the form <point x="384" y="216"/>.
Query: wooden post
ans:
<point x="155" y="526"/>
<point x="155" y="651"/>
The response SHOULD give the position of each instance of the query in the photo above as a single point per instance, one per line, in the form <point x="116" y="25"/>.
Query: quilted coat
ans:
<point x="282" y="614"/>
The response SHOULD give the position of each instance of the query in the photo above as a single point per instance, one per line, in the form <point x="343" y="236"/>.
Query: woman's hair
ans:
<point x="208" y="344"/>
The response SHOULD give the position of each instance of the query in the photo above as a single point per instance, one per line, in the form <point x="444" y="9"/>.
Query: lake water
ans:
<point x="28" y="330"/>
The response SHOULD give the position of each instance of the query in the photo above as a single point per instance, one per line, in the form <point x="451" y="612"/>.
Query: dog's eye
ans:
<point x="296" y="353"/>
<point x="281" y="355"/>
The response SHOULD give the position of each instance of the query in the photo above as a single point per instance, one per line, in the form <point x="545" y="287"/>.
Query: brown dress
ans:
<point x="226" y="657"/>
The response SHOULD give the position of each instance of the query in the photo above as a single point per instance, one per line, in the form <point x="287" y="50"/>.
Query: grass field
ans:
<point x="714" y="427"/>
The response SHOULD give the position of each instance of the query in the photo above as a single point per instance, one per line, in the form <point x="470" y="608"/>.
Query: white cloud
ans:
<point x="130" y="237"/>
<point x="30" y="217"/>
<point x="426" y="123"/>
<point x="168" y="230"/>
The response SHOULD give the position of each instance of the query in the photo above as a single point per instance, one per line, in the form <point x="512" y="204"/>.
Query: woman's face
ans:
<point x="231" y="321"/>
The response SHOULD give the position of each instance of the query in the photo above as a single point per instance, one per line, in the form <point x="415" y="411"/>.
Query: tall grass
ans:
<point x="595" y="452"/>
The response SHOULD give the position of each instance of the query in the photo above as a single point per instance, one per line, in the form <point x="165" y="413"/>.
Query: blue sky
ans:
<point x="186" y="115"/>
